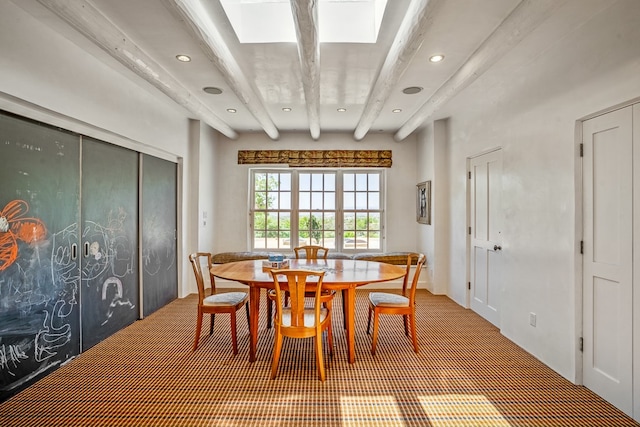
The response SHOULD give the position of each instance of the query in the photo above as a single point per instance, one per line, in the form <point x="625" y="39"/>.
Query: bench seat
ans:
<point x="396" y="258"/>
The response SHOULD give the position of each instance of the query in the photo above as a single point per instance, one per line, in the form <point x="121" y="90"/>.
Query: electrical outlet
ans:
<point x="532" y="319"/>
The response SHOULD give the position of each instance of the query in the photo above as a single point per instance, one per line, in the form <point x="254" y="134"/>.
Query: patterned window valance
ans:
<point x="317" y="158"/>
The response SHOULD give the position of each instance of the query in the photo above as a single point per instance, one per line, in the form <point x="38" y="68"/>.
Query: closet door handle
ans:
<point x="86" y="249"/>
<point x="74" y="251"/>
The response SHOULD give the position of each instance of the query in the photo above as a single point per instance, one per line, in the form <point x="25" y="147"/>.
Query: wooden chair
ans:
<point x="228" y="302"/>
<point x="405" y="304"/>
<point x="298" y="320"/>
<point x="312" y="252"/>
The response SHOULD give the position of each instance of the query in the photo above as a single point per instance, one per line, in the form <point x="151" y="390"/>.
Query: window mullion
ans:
<point x="295" y="209"/>
<point x="339" y="211"/>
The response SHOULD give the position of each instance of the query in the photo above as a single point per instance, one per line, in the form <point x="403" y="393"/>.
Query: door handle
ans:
<point x="497" y="248"/>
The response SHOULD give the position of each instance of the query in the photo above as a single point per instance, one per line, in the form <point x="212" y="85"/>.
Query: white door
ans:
<point x="485" y="234"/>
<point x="608" y="256"/>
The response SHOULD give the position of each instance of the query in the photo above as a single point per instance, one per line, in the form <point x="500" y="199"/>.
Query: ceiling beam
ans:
<point x="305" y="19"/>
<point x="524" y="18"/>
<point x="86" y="19"/>
<point x="408" y="40"/>
<point x="205" y="31"/>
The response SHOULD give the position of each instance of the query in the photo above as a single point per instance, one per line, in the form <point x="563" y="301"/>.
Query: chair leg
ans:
<point x="246" y="306"/>
<point x="198" y="328"/>
<point x="405" y="320"/>
<point x="369" y="320"/>
<point x="277" y="347"/>
<point x="213" y="320"/>
<point x="414" y="335"/>
<point x="234" y="337"/>
<point x="375" y="333"/>
<point x="330" y="338"/>
<point x="319" y="356"/>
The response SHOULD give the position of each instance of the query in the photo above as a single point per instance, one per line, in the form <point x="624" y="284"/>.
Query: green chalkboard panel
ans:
<point x="158" y="219"/>
<point x="109" y="287"/>
<point x="39" y="263"/>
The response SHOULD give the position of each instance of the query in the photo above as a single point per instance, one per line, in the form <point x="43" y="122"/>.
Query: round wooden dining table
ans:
<point x="340" y="274"/>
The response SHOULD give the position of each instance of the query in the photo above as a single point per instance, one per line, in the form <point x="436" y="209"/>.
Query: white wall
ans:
<point x="528" y="104"/>
<point x="46" y="77"/>
<point x="433" y="238"/>
<point x="207" y="188"/>
<point x="232" y="184"/>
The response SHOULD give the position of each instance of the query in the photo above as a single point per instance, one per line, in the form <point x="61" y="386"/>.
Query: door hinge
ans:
<point x="469" y="285"/>
<point x="582" y="247"/>
<point x="581" y="150"/>
<point x="469" y="230"/>
<point x="581" y="343"/>
<point x="469" y="174"/>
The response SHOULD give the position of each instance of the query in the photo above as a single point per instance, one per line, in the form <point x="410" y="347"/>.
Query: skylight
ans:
<point x="271" y="21"/>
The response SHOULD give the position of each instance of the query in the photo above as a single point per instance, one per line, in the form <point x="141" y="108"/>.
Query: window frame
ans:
<point x="295" y="210"/>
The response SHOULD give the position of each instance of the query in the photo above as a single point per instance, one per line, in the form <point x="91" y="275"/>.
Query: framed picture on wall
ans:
<point x="423" y="202"/>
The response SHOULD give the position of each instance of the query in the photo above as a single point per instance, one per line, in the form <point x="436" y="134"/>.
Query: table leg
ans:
<point x="351" y="323"/>
<point x="344" y="309"/>
<point x="254" y="310"/>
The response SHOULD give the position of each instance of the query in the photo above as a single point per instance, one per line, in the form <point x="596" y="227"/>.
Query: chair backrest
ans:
<point x="197" y="260"/>
<point x="296" y="284"/>
<point x="312" y="251"/>
<point x="414" y="282"/>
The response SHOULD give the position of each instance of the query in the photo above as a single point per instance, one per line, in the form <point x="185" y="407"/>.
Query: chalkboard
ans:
<point x="39" y="267"/>
<point x="69" y="274"/>
<point x="158" y="217"/>
<point x="109" y="275"/>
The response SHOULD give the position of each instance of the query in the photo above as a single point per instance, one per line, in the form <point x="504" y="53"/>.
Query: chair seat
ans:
<point x="383" y="299"/>
<point x="309" y="316"/>
<point x="226" y="298"/>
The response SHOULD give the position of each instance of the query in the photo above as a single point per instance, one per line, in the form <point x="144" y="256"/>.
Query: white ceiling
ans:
<point x="259" y="80"/>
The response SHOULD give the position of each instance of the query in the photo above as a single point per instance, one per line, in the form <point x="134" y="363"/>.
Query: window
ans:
<point x="338" y="209"/>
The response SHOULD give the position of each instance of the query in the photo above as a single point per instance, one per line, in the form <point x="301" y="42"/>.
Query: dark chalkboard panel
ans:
<point x="109" y="288"/>
<point x="69" y="274"/>
<point x="158" y="218"/>
<point x="39" y="272"/>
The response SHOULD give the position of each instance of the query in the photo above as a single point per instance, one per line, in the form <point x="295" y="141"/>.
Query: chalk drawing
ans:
<point x="14" y="227"/>
<point x="43" y="293"/>
<point x="110" y="258"/>
<point x="52" y="337"/>
<point x="10" y="357"/>
<point x="112" y="281"/>
<point x="110" y="250"/>
<point x="158" y="248"/>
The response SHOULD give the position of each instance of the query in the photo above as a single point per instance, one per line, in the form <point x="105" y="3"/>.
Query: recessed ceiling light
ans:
<point x="341" y="110"/>
<point x="183" y="58"/>
<point x="286" y="109"/>
<point x="436" y="58"/>
<point x="212" y="90"/>
<point x="231" y="110"/>
<point x="411" y="90"/>
<point x="396" y="110"/>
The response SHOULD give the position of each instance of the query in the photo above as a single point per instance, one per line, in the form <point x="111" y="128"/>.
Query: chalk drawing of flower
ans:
<point x="13" y="227"/>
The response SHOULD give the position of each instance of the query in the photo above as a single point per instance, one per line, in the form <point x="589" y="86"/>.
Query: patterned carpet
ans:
<point x="466" y="374"/>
